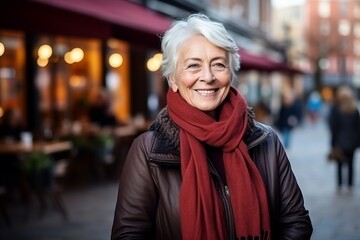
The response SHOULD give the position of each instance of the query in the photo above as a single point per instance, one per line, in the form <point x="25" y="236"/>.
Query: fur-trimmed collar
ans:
<point x="168" y="133"/>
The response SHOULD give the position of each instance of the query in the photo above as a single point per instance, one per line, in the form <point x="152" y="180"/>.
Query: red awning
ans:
<point x="263" y="63"/>
<point x="252" y="61"/>
<point x="119" y="12"/>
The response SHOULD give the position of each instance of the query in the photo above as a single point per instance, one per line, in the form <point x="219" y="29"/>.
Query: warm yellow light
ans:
<point x="77" y="54"/>
<point x="42" y="62"/>
<point x="1" y="112"/>
<point x="2" y="48"/>
<point x="158" y="56"/>
<point x="45" y="51"/>
<point x="115" y="60"/>
<point x="154" y="63"/>
<point x="67" y="58"/>
<point x="77" y="81"/>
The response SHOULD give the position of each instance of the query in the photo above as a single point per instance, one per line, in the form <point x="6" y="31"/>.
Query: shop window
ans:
<point x="344" y="8"/>
<point x="357" y="29"/>
<point x="324" y="9"/>
<point x="357" y="47"/>
<point x="342" y="65"/>
<point x="117" y="78"/>
<point x="357" y="66"/>
<point x="68" y="73"/>
<point x="325" y="28"/>
<point x="357" y="10"/>
<point x="12" y="83"/>
<point x="343" y="45"/>
<point x="156" y="83"/>
<point x="344" y="27"/>
<point x="254" y="12"/>
<point x="356" y="78"/>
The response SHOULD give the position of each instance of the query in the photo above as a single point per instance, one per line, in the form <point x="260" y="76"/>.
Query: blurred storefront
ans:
<point x="59" y="55"/>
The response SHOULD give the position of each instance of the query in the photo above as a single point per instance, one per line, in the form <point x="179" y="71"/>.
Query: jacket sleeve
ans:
<point x="289" y="218"/>
<point x="293" y="219"/>
<point x="137" y="200"/>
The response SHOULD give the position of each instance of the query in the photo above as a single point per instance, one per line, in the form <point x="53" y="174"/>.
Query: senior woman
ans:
<point x="206" y="169"/>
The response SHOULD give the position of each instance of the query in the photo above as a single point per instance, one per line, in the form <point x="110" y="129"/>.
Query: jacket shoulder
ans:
<point x="158" y="149"/>
<point x="258" y="132"/>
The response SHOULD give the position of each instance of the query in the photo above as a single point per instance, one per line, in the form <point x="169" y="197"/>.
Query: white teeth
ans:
<point x="204" y="92"/>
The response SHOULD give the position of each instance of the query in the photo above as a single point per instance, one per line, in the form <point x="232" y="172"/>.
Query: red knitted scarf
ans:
<point x="201" y="210"/>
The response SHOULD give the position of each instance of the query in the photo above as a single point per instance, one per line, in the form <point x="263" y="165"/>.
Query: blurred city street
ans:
<point x="334" y="215"/>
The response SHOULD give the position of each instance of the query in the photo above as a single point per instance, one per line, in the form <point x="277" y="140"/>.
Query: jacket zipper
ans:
<point x="228" y="212"/>
<point x="224" y="194"/>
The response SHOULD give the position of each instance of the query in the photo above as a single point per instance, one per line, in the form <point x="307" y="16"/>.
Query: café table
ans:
<point x="44" y="147"/>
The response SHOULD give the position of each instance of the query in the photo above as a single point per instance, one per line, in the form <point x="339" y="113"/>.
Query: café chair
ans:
<point x="45" y="183"/>
<point x="3" y="210"/>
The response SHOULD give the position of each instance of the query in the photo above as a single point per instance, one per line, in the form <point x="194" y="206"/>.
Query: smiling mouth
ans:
<point x="206" y="92"/>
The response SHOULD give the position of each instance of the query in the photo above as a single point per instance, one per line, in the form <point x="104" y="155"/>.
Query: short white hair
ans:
<point x="181" y="30"/>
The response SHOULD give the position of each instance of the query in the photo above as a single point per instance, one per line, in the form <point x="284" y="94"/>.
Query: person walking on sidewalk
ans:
<point x="288" y="117"/>
<point x="206" y="169"/>
<point x="344" y="124"/>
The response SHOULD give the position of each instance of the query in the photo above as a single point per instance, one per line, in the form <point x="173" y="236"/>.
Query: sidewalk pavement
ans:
<point x="334" y="215"/>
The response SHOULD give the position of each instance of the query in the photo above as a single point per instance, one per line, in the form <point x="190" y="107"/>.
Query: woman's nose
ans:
<point x="207" y="75"/>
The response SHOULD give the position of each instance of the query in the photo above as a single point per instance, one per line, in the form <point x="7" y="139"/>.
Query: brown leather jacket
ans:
<point x="148" y="197"/>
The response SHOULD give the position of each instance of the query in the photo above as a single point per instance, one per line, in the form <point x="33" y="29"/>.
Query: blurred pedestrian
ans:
<point x="314" y="105"/>
<point x="288" y="118"/>
<point x="100" y="111"/>
<point x="344" y="124"/>
<point x="206" y="169"/>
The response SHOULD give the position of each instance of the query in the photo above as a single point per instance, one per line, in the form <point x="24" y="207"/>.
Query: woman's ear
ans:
<point x="173" y="84"/>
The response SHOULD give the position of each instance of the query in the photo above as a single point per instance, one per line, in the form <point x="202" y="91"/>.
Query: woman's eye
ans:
<point x="193" y="65"/>
<point x="219" y="65"/>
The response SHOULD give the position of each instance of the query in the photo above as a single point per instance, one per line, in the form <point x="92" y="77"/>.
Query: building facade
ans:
<point x="333" y="40"/>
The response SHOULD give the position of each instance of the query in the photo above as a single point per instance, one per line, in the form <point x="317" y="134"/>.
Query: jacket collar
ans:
<point x="167" y="133"/>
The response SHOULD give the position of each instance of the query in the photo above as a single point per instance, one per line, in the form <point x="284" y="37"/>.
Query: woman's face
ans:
<point x="202" y="75"/>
